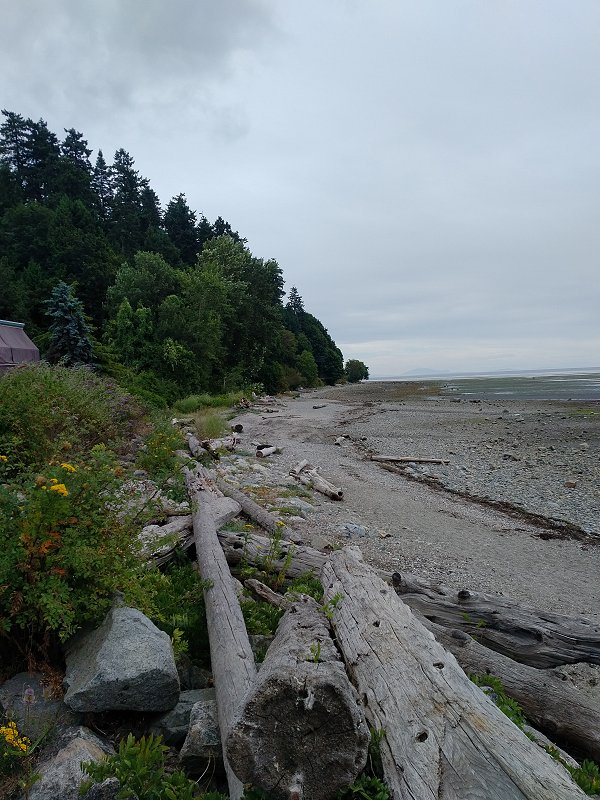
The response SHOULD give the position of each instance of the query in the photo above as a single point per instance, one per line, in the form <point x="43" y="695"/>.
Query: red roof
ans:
<point x="15" y="346"/>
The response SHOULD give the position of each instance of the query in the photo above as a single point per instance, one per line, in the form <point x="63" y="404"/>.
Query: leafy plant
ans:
<point x="261" y="618"/>
<point x="586" y="776"/>
<point x="157" y="456"/>
<point x="366" y="787"/>
<point x="315" y="652"/>
<point x="140" y="769"/>
<point x="506" y="704"/>
<point x="329" y="607"/>
<point x="307" y="583"/>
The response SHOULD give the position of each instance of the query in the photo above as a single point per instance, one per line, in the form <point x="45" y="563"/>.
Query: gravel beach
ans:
<point x="516" y="511"/>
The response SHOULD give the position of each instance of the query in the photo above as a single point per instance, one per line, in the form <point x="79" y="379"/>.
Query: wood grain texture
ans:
<point x="443" y="737"/>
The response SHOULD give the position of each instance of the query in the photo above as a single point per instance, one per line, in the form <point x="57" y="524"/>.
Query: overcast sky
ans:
<point x="426" y="173"/>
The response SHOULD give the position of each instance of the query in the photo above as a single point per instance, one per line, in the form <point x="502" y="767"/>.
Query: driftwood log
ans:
<point x="309" y="476"/>
<point x="300" y="733"/>
<point x="253" y="549"/>
<point x="538" y="638"/>
<point x="550" y="703"/>
<point x="231" y="656"/>
<point x="269" y="522"/>
<point x="443" y="736"/>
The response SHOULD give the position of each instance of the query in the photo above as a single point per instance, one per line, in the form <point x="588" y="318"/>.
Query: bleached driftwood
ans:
<point x="309" y="476"/>
<point x="535" y="637"/>
<point x="269" y="522"/>
<point x="252" y="549"/>
<point x="443" y="736"/>
<point x="551" y="704"/>
<point x="266" y="450"/>
<point x="300" y="729"/>
<point x="231" y="656"/>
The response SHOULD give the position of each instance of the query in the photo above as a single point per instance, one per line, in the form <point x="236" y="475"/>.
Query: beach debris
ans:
<point x="320" y="405"/>
<point x="266" y="450"/>
<point x="310" y="476"/>
<point x="407" y="459"/>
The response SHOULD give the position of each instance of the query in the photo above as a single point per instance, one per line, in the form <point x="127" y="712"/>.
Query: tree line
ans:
<point x="175" y="304"/>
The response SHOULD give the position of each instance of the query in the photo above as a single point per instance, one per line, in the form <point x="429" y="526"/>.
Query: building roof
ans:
<point x="15" y="346"/>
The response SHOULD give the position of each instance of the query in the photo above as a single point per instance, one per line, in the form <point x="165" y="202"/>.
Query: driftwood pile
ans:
<point x="298" y="728"/>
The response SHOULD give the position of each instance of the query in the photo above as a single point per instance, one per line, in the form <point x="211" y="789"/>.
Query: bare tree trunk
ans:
<point x="230" y="652"/>
<point x="301" y="728"/>
<point x="443" y="736"/>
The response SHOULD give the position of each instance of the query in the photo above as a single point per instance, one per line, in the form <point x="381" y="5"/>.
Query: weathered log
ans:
<point x="538" y="638"/>
<point x="406" y="459"/>
<point x="269" y="522"/>
<point x="443" y="736"/>
<point x="252" y="549"/>
<point x="320" y="405"/>
<point x="309" y="476"/>
<point x="266" y="594"/>
<point x="300" y="728"/>
<point x="196" y="448"/>
<point x="231" y="656"/>
<point x="265" y="451"/>
<point x="550" y="703"/>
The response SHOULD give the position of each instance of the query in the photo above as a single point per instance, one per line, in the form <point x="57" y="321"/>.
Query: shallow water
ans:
<point x="521" y="387"/>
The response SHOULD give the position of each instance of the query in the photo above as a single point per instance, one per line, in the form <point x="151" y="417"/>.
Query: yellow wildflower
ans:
<point x="280" y="523"/>
<point x="60" y="488"/>
<point x="3" y="458"/>
<point x="69" y="467"/>
<point x="54" y="480"/>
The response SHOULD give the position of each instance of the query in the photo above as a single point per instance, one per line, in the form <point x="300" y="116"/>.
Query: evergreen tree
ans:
<point x="126" y="218"/>
<point x="70" y="340"/>
<point x="102" y="186"/>
<point x="14" y="136"/>
<point x="75" y="168"/>
<point x="180" y="224"/>
<point x="42" y="165"/>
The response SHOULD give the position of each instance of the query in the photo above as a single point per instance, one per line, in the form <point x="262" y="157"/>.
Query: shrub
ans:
<point x="140" y="768"/>
<point x="49" y="411"/>
<point x="64" y="551"/>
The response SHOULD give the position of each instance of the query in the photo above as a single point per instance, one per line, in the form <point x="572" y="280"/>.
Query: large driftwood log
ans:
<point x="550" y="703"/>
<point x="407" y="459"/>
<point x="443" y="736"/>
<point x="231" y="656"/>
<point x="538" y="638"/>
<point x="300" y="729"/>
<point x="269" y="522"/>
<point x="253" y="549"/>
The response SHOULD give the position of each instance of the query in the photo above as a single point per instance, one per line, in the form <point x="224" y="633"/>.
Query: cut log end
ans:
<point x="314" y="726"/>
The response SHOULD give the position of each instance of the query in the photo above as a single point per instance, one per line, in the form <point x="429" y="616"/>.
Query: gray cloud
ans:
<point x="426" y="173"/>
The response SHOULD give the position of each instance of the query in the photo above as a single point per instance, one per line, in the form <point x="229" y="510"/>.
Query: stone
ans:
<point x="107" y="790"/>
<point x="173" y="726"/>
<point x="202" y="746"/>
<point x="25" y="700"/>
<point x="190" y="675"/>
<point x="352" y="529"/>
<point x="126" y="664"/>
<point x="60" y="773"/>
<point x="570" y="484"/>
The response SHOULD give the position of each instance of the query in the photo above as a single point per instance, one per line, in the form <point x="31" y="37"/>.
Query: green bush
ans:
<point x="157" y="455"/>
<point x="260" y="617"/>
<point x="196" y="402"/>
<point x="140" y="768"/>
<point x="64" y="551"/>
<point x="47" y="412"/>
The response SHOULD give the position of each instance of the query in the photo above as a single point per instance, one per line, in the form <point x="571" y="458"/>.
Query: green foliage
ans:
<point x="508" y="706"/>
<point x="329" y="607"/>
<point x="53" y="412"/>
<point x="367" y="788"/>
<point x="315" y="652"/>
<point x="307" y="367"/>
<point x="196" y="402"/>
<point x="307" y="583"/>
<point x="64" y="551"/>
<point x="140" y="768"/>
<point x="586" y="776"/>
<point x="356" y="371"/>
<point x="261" y="618"/>
<point x="70" y="340"/>
<point x="178" y="605"/>
<point x="210" y="425"/>
<point x="156" y="455"/>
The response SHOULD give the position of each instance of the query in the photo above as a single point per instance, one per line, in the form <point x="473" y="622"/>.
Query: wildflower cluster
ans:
<point x="13" y="738"/>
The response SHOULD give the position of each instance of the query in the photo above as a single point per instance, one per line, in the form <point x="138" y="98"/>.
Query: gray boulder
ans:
<point x="61" y="773"/>
<point x="202" y="746"/>
<point x="107" y="790"/>
<point x="173" y="726"/>
<point x="24" y="699"/>
<point x="126" y="664"/>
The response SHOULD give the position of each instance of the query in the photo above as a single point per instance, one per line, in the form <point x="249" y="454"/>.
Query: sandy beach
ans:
<point x="515" y="511"/>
